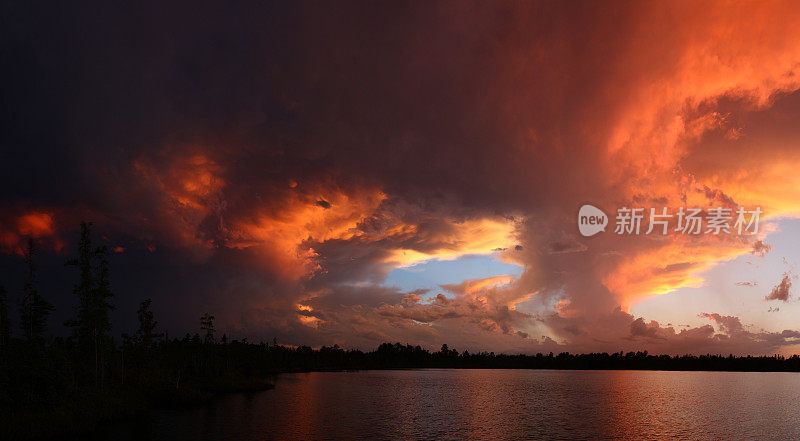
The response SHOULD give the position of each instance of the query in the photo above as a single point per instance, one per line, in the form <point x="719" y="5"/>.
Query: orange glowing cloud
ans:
<point x="282" y="229"/>
<point x="192" y="190"/>
<point x="472" y="287"/>
<point x="286" y="228"/>
<point x="306" y="317"/>
<point x="677" y="70"/>
<point x="474" y="236"/>
<point x="37" y="225"/>
<point x="722" y="52"/>
<point x="661" y="270"/>
<point x="301" y="222"/>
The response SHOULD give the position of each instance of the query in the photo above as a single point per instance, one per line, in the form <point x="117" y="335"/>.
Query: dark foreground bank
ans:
<point x="46" y="393"/>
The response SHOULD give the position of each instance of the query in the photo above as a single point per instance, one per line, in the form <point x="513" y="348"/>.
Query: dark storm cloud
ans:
<point x="273" y="162"/>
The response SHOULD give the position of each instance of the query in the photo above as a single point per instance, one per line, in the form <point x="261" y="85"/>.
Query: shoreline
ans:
<point x="84" y="414"/>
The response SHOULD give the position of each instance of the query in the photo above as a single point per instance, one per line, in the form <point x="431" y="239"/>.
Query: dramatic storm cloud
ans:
<point x="275" y="165"/>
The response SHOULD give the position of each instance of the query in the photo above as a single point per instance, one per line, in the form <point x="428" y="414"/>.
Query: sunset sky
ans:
<point x="354" y="173"/>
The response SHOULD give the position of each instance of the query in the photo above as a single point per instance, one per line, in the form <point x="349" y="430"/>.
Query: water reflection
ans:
<point x="493" y="404"/>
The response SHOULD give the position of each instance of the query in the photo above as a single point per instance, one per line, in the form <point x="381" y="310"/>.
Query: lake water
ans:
<point x="493" y="404"/>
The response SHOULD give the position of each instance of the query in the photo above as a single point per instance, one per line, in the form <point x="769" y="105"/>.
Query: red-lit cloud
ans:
<point x="38" y="225"/>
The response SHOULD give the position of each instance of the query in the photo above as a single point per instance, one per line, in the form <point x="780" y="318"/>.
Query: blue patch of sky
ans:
<point x="430" y="274"/>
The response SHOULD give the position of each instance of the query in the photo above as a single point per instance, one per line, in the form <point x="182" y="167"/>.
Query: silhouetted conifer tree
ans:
<point x="145" y="335"/>
<point x="34" y="309"/>
<point x="207" y="325"/>
<point x="5" y="326"/>
<point x="92" y="324"/>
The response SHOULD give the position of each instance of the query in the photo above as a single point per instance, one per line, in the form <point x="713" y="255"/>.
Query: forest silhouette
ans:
<point x="70" y="385"/>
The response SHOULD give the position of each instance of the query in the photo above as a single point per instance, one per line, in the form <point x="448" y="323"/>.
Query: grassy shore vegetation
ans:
<point x="70" y="385"/>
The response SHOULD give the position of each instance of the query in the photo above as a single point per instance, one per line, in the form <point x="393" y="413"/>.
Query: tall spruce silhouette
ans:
<point x="34" y="309"/>
<point x="207" y="325"/>
<point x="145" y="336"/>
<point x="91" y="324"/>
<point x="5" y="326"/>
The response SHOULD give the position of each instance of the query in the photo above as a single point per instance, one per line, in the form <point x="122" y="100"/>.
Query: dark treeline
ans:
<point x="71" y="384"/>
<point x="389" y="356"/>
<point x="64" y="385"/>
